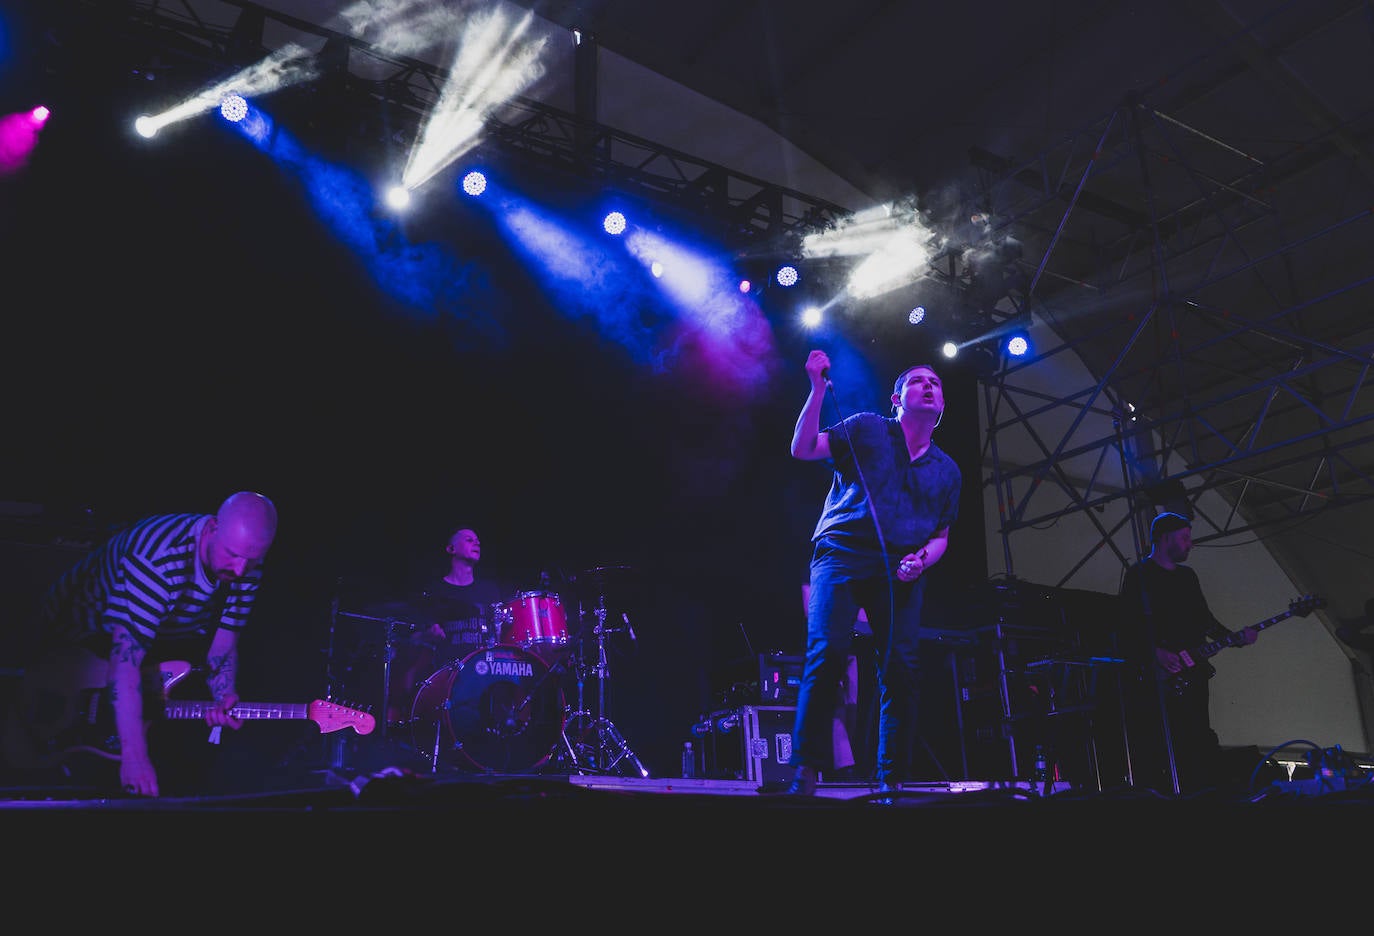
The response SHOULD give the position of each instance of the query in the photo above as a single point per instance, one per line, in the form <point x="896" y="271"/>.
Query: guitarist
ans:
<point x="164" y="580"/>
<point x="1164" y="614"/>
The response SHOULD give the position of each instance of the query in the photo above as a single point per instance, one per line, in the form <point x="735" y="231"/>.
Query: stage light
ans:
<point x="745" y="285"/>
<point x="788" y="276"/>
<point x="811" y="316"/>
<point x="474" y="183"/>
<point x="233" y="107"/>
<point x="1017" y="345"/>
<point x="917" y="315"/>
<point x="950" y="349"/>
<point x="614" y="223"/>
<point x="19" y="136"/>
<point x="656" y="269"/>
<point x="397" y="197"/>
<point x="146" y="127"/>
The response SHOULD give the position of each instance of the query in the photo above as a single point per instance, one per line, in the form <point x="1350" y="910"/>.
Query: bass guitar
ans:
<point x="1195" y="659"/>
<point x="62" y="712"/>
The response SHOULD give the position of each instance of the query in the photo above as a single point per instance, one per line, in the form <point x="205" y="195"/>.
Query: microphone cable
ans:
<point x="872" y="512"/>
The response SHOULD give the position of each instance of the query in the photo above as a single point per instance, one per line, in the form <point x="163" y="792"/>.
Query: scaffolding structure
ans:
<point x="1217" y="311"/>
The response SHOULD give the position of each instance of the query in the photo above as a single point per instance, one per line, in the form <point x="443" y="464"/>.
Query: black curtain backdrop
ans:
<point x="182" y="323"/>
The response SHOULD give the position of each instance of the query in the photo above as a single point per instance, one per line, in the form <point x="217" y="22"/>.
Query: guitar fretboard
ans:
<point x="279" y="710"/>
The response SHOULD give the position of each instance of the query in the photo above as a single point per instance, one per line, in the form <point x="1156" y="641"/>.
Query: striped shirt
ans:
<point x="149" y="578"/>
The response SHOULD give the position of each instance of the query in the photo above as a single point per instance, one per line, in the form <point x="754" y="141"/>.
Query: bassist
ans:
<point x="1164" y="614"/>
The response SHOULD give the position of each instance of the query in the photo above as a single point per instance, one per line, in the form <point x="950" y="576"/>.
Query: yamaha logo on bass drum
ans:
<point x="502" y="667"/>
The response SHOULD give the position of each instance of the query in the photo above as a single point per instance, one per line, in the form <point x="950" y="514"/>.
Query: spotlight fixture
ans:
<point x="745" y="285"/>
<point x="1015" y="340"/>
<point x="233" y="107"/>
<point x="788" y="276"/>
<point x="614" y="223"/>
<point x="474" y="183"/>
<point x="398" y="197"/>
<point x="950" y="349"/>
<point x="917" y="315"/>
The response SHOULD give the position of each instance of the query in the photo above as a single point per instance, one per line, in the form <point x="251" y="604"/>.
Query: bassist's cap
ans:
<point x="1167" y="522"/>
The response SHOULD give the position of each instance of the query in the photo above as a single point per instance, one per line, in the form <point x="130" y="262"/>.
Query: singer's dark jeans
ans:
<point x="843" y="580"/>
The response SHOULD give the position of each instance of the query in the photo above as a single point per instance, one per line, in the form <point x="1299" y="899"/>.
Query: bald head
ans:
<point x="240" y="535"/>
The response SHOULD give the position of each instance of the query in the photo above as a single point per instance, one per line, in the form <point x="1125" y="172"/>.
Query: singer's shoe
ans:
<point x="803" y="783"/>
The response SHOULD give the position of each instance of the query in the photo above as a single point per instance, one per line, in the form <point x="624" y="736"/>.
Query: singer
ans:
<point x="892" y="499"/>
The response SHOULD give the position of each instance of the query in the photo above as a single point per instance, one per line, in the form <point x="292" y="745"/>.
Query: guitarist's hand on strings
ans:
<point x="1171" y="662"/>
<point x="1174" y="663"/>
<point x="220" y="715"/>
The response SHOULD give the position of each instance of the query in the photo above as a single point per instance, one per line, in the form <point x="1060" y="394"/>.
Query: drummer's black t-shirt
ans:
<point x="467" y="614"/>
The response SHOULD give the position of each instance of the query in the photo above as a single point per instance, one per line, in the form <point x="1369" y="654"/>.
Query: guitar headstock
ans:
<point x="1306" y="605"/>
<point x="331" y="716"/>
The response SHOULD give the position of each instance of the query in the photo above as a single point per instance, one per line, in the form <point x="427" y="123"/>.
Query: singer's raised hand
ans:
<point x="818" y="368"/>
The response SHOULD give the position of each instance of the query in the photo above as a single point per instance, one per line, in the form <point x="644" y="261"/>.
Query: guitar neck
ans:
<point x="247" y="710"/>
<point x="1216" y="646"/>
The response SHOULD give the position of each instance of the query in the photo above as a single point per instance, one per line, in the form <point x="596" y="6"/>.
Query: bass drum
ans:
<point x="498" y="710"/>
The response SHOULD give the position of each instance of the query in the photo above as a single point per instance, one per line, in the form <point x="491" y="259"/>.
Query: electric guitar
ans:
<point x="1194" y="660"/>
<point x="62" y="711"/>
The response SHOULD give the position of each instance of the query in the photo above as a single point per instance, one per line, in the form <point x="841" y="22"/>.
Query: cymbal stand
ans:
<point x="389" y="654"/>
<point x="601" y="748"/>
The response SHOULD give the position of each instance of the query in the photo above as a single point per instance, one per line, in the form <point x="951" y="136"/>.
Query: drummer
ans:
<point x="460" y="606"/>
<point x="449" y="618"/>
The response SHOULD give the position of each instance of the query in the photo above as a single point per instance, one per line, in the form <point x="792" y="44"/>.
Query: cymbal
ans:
<point x="605" y="571"/>
<point x="402" y="612"/>
<point x="603" y="574"/>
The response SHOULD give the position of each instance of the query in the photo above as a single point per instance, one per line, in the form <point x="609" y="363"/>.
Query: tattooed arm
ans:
<point x="136" y="773"/>
<point x="223" y="664"/>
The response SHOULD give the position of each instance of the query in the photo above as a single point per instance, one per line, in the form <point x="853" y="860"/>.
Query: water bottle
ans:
<point x="1040" y="776"/>
<point x="689" y="761"/>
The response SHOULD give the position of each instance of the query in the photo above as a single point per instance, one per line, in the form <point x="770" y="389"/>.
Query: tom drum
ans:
<point x="535" y="620"/>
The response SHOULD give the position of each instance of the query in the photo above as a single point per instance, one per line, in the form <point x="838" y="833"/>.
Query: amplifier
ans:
<point x="779" y="678"/>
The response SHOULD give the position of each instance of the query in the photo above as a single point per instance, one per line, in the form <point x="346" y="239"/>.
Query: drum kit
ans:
<point x="503" y="707"/>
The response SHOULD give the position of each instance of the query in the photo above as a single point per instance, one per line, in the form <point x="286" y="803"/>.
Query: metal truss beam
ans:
<point x="218" y="36"/>
<point x="1221" y="351"/>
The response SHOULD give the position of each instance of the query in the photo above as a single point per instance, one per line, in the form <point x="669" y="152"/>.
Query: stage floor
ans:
<point x="338" y="843"/>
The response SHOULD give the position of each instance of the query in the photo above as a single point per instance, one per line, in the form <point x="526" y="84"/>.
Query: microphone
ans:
<point x="629" y="627"/>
